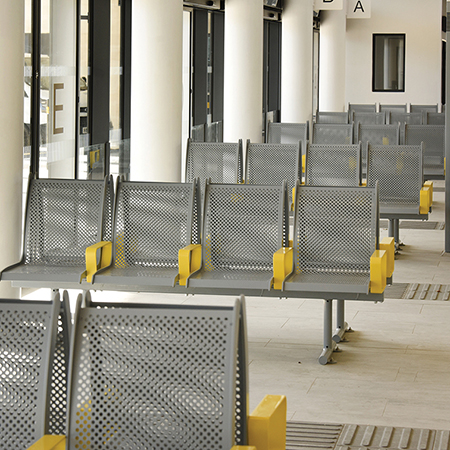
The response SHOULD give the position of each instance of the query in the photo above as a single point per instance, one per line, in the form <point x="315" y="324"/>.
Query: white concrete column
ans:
<point x="243" y="72"/>
<point x="332" y="60"/>
<point x="11" y="125"/>
<point x="156" y="90"/>
<point x="297" y="61"/>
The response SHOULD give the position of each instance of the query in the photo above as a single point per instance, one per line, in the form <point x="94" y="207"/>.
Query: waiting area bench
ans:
<point x="332" y="133"/>
<point x="165" y="377"/>
<point x="288" y="133"/>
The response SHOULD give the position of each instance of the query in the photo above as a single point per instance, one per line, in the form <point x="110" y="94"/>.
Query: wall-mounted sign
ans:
<point x="359" y="9"/>
<point x="328" y="4"/>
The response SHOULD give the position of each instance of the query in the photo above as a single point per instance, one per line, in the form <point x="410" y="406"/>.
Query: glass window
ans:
<point x="388" y="63"/>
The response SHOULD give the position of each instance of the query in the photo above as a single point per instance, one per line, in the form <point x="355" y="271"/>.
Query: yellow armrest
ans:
<point x="303" y="163"/>
<point x="282" y="265"/>
<point x="267" y="424"/>
<point x="388" y="245"/>
<point x="425" y="204"/>
<point x="293" y="199"/>
<point x="91" y="258"/>
<point x="364" y="183"/>
<point x="49" y="442"/>
<point x="429" y="183"/>
<point x="378" y="263"/>
<point x="189" y="261"/>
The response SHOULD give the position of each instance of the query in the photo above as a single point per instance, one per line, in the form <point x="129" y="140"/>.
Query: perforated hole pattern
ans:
<point x="242" y="227"/>
<point x="432" y="137"/>
<point x="272" y="163"/>
<point x="24" y="336"/>
<point x="63" y="219"/>
<point x="152" y="379"/>
<point x="335" y="229"/>
<point x="152" y="223"/>
<point x="369" y="118"/>
<point x="398" y="170"/>
<point x="435" y="118"/>
<point x="287" y="133"/>
<point x="402" y="118"/>
<point x="362" y="107"/>
<point x="332" y="165"/>
<point x="396" y="108"/>
<point x="216" y="160"/>
<point x="331" y="117"/>
<point x="324" y="133"/>
<point x="378" y="134"/>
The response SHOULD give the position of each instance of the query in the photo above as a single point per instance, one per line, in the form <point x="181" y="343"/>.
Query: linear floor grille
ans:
<point x="305" y="436"/>
<point x="418" y="291"/>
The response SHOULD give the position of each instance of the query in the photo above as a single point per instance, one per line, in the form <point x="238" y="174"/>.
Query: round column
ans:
<point x="297" y="61"/>
<point x="156" y="90"/>
<point x="243" y="71"/>
<point x="332" y="60"/>
<point x="11" y="119"/>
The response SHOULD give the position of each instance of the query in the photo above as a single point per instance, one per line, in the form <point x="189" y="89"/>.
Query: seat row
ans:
<point x="129" y="376"/>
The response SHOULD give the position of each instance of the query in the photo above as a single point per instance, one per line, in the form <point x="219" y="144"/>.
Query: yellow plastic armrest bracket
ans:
<point x="49" y="442"/>
<point x="267" y="424"/>
<point x="293" y="198"/>
<point x="189" y="261"/>
<point x="378" y="263"/>
<point x="91" y="258"/>
<point x="429" y="183"/>
<point x="425" y="204"/>
<point x="388" y="245"/>
<point x="282" y="265"/>
<point x="303" y="163"/>
<point x="364" y="183"/>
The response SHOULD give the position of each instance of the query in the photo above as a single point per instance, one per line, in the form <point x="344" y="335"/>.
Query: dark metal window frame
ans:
<point x="374" y="37"/>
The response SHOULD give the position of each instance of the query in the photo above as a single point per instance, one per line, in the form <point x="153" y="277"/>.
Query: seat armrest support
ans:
<point x="425" y="202"/>
<point x="430" y="186"/>
<point x="189" y="261"/>
<point x="92" y="267"/>
<point x="267" y="424"/>
<point x="388" y="244"/>
<point x="282" y="266"/>
<point x="378" y="270"/>
<point x="49" y="442"/>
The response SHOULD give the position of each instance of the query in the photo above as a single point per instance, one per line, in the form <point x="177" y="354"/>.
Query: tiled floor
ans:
<point x="394" y="369"/>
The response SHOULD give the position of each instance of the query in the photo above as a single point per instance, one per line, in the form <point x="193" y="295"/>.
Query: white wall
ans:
<point x="420" y="20"/>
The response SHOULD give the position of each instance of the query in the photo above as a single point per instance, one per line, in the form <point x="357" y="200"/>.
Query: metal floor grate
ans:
<point x="418" y="291"/>
<point x="313" y="436"/>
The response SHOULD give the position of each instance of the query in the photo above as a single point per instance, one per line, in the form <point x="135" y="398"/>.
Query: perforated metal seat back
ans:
<point x="335" y="229"/>
<point x="420" y="108"/>
<point x="403" y="117"/>
<point x="272" y="163"/>
<point x="369" y="118"/>
<point x="63" y="218"/>
<point x="221" y="162"/>
<point x="331" y="117"/>
<point x="333" y="165"/>
<point x="153" y="221"/>
<point x="378" y="134"/>
<point x="337" y="134"/>
<point x="27" y="339"/>
<point x="287" y="133"/>
<point x="362" y="107"/>
<point x="399" y="172"/>
<point x="154" y="377"/>
<point x="401" y="108"/>
<point x="243" y="226"/>
<point x="433" y="138"/>
<point x="435" y="118"/>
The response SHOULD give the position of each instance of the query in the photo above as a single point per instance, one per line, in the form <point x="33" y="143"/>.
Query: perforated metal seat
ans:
<point x="63" y="218"/>
<point x="420" y="108"/>
<point x="398" y="169"/>
<point x="243" y="226"/>
<point x="288" y="133"/>
<point x="335" y="234"/>
<point x="331" y="133"/>
<point x="148" y="376"/>
<point x="398" y="108"/>
<point x="433" y="139"/>
<point x="362" y="107"/>
<point x="369" y="118"/>
<point x="402" y="118"/>
<point x="434" y="118"/>
<point x="34" y="349"/>
<point x="333" y="165"/>
<point x="152" y="222"/>
<point x="221" y="162"/>
<point x="331" y="117"/>
<point x="271" y="164"/>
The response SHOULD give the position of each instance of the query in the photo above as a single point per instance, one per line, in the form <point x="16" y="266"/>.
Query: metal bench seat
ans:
<point x="156" y="376"/>
<point x="331" y="117"/>
<point x="332" y="133"/>
<point x="63" y="218"/>
<point x="243" y="226"/>
<point x="152" y="222"/>
<point x="288" y="133"/>
<point x="397" y="108"/>
<point x="34" y="349"/>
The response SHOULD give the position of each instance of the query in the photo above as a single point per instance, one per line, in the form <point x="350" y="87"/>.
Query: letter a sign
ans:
<point x="328" y="4"/>
<point x="359" y="9"/>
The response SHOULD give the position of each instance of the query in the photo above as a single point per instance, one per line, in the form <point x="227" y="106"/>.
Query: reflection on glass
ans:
<point x="389" y="62"/>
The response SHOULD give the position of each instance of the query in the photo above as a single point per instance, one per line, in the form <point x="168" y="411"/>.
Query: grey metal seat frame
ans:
<point x="287" y="133"/>
<point x="159" y="374"/>
<point x="434" y="118"/>
<point x="401" y="108"/>
<point x="41" y="266"/>
<point x="335" y="133"/>
<point x="332" y="117"/>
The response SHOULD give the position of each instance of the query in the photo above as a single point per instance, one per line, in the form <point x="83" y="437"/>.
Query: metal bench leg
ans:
<point x="341" y="325"/>
<point x="393" y="231"/>
<point x="328" y="344"/>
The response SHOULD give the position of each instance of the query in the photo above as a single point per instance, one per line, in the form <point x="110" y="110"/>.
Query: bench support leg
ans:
<point x="341" y="325"/>
<point x="329" y="346"/>
<point x="394" y="231"/>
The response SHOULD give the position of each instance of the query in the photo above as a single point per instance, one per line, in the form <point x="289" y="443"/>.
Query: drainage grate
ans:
<point x="306" y="436"/>
<point x="418" y="291"/>
<point x="370" y="436"/>
<point x="416" y="225"/>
